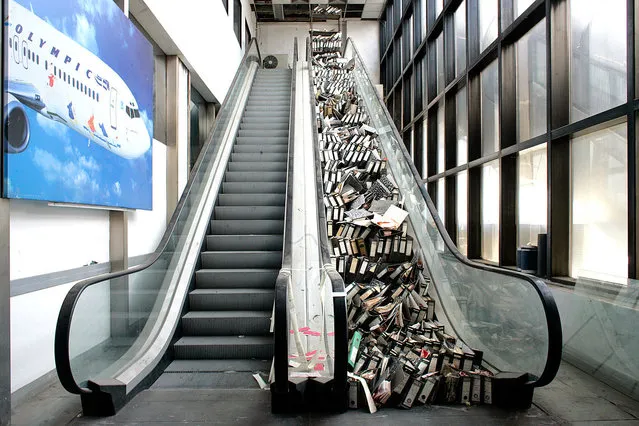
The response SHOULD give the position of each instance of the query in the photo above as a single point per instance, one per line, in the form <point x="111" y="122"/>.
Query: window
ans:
<point x="237" y="20"/>
<point x="487" y="22"/>
<point x="461" y="181"/>
<point x="461" y="131"/>
<point x="598" y="74"/>
<point x="520" y="6"/>
<point x="438" y="5"/>
<point x="441" y="142"/>
<point x="460" y="38"/>
<point x="441" y="80"/>
<point x="489" y="109"/>
<point x="531" y="83"/>
<point x="424" y="153"/>
<point x="599" y="233"/>
<point x="490" y="211"/>
<point x="532" y="194"/>
<point x="441" y="199"/>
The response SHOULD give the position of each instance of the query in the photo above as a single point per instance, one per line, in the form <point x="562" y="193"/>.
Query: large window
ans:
<point x="532" y="194"/>
<point x="490" y="109"/>
<point x="530" y="100"/>
<point x="487" y="22"/>
<point x="490" y="211"/>
<point x="462" y="211"/>
<point x="598" y="74"/>
<point x="460" y="38"/>
<point x="531" y="83"/>
<point x="600" y="204"/>
<point x="461" y="108"/>
<point x="237" y="20"/>
<point x="441" y="142"/>
<point x="441" y="80"/>
<point x="441" y="199"/>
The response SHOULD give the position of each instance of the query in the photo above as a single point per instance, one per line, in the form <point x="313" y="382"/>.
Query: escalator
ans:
<point x="202" y="304"/>
<point x="508" y="321"/>
<point x="243" y="275"/>
<point x="227" y="327"/>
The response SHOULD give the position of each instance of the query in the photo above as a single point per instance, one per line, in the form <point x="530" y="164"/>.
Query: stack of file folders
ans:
<point x="399" y="354"/>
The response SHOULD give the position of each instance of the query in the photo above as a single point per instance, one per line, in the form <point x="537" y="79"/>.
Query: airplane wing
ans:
<point x="26" y="93"/>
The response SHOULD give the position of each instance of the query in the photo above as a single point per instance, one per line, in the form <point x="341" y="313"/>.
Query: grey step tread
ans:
<point x="280" y="125"/>
<point x="257" y="166"/>
<point x="258" y="158"/>
<point x="243" y="242"/>
<point x="231" y="291"/>
<point x="236" y="278"/>
<point x="226" y="323"/>
<point x="268" y="149"/>
<point x="251" y="199"/>
<point x="266" y="114"/>
<point x="247" y="227"/>
<point x="241" y="259"/>
<point x="231" y="299"/>
<point x="267" y="132"/>
<point x="223" y="347"/>
<point x="224" y="340"/>
<point x="218" y="365"/>
<point x="231" y="176"/>
<point x="227" y="314"/>
<point x="253" y="187"/>
<point x="242" y="381"/>
<point x="261" y="140"/>
<point x="248" y="212"/>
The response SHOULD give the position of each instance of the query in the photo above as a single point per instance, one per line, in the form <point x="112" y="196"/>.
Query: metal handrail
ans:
<point x="340" y="375"/>
<point x="553" y="320"/>
<point x="280" y="331"/>
<point x="63" y="326"/>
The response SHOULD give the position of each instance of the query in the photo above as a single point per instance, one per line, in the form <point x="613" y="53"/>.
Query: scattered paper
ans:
<point x="392" y="219"/>
<point x="358" y="214"/>
<point x="260" y="381"/>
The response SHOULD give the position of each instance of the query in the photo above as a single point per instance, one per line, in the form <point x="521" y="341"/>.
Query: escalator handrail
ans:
<point x="548" y="302"/>
<point x="63" y="326"/>
<point x="280" y="331"/>
<point x="337" y="282"/>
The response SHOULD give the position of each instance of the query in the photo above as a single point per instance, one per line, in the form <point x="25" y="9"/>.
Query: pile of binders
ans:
<point x="399" y="354"/>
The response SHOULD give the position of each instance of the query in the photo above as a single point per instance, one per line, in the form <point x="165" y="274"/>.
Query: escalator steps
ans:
<point x="396" y="344"/>
<point x="227" y="326"/>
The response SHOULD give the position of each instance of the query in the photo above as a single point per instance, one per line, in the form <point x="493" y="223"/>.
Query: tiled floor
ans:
<point x="572" y="398"/>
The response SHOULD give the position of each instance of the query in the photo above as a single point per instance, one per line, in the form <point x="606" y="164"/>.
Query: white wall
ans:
<point x="83" y="234"/>
<point x="365" y="34"/>
<point x="47" y="239"/>
<point x="277" y="38"/>
<point x="201" y="32"/>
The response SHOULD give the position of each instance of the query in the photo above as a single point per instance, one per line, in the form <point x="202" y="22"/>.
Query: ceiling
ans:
<point x="318" y="10"/>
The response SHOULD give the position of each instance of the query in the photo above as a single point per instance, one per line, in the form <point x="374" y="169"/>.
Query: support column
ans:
<point x="119" y="258"/>
<point x="172" y="118"/>
<point x="124" y="5"/>
<point x="5" y="318"/>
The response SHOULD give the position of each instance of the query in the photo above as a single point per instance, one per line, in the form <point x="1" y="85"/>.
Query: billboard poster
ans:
<point x="78" y="104"/>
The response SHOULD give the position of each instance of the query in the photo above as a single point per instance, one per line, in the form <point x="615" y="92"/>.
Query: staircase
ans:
<point x="227" y="326"/>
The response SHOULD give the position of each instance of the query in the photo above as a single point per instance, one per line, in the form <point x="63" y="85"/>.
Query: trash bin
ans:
<point x="527" y="259"/>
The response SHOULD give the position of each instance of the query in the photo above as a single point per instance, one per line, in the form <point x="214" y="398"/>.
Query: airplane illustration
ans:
<point x="61" y="80"/>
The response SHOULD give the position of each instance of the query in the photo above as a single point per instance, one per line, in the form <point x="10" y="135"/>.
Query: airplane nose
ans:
<point x="145" y="139"/>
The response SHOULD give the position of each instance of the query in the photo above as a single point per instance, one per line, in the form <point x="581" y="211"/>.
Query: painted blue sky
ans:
<point x="59" y="164"/>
